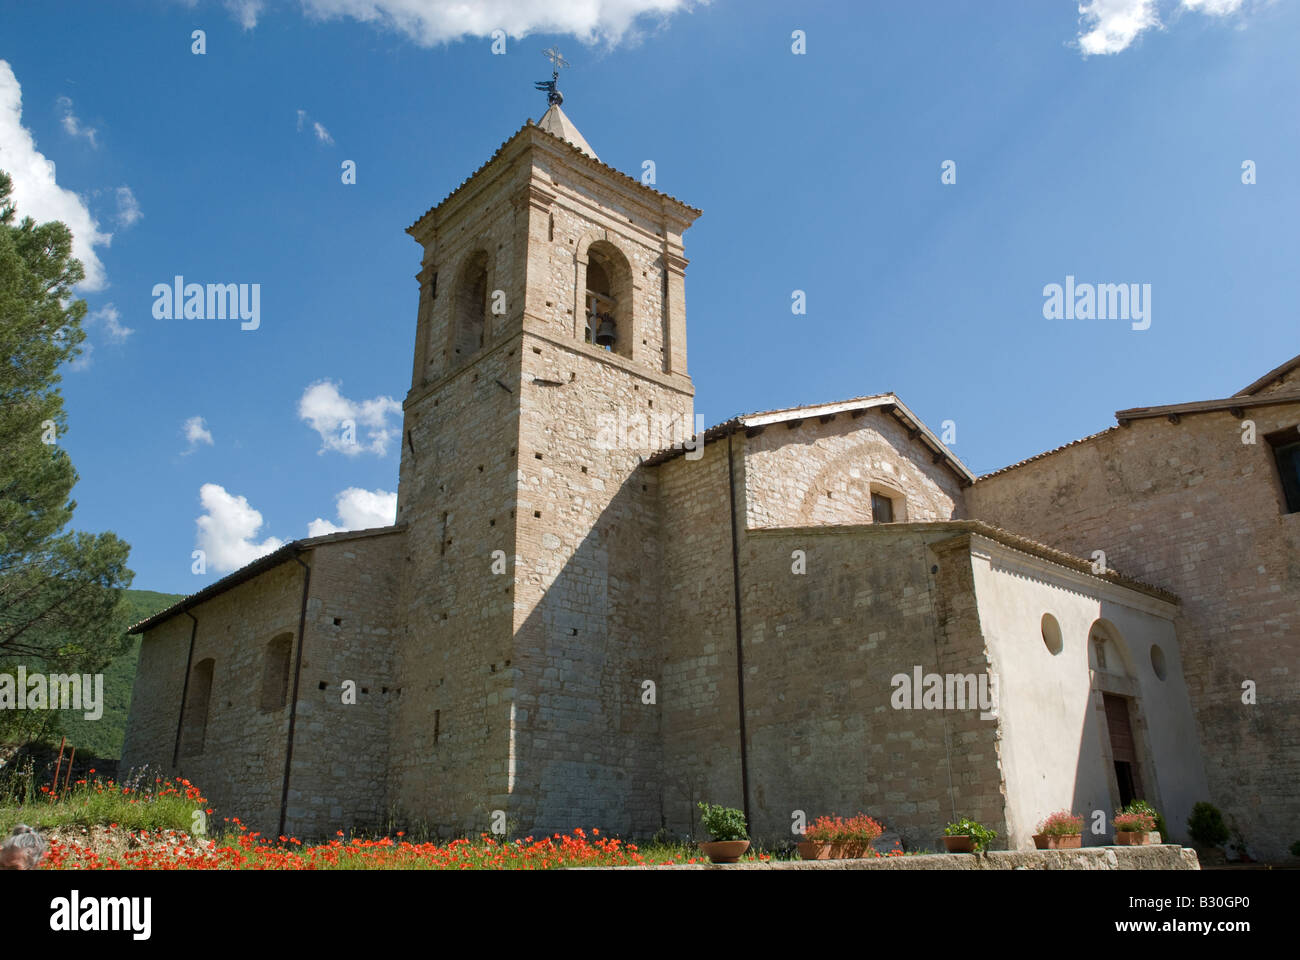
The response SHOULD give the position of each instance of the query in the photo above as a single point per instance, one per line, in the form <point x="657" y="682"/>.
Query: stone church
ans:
<point x="795" y="610"/>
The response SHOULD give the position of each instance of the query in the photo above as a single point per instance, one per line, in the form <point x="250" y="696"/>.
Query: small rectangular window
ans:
<point x="882" y="509"/>
<point x="1288" y="468"/>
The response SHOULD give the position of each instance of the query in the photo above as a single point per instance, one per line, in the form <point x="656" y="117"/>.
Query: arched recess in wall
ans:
<point x="470" y="307"/>
<point x="194" y="727"/>
<point x="1108" y="653"/>
<point x="277" y="664"/>
<point x="604" y="292"/>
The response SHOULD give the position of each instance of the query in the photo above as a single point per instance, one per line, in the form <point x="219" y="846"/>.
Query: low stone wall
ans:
<point x="1157" y="857"/>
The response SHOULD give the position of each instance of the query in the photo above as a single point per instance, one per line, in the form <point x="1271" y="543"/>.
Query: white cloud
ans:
<point x="302" y="115"/>
<point x="72" y="125"/>
<point x="358" y="509"/>
<point x="1114" y="24"/>
<point x="227" y="528"/>
<point x="36" y="194"/>
<point x="430" y="22"/>
<point x="245" y="12"/>
<point x="128" y="208"/>
<point x="1216" y="8"/>
<point x="322" y="134"/>
<point x="341" y="422"/>
<point x="110" y="320"/>
<point x="196" y="432"/>
<point x="1110" y="26"/>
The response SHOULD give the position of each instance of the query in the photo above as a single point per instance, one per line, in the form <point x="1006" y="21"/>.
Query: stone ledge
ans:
<point x="1155" y="857"/>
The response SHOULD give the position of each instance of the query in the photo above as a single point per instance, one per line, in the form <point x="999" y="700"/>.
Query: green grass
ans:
<point x="99" y="804"/>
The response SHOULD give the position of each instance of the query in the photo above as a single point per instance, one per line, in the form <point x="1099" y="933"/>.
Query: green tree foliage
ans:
<point x="60" y="590"/>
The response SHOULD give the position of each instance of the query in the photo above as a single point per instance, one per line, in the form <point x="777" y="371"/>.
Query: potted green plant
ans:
<point x="1063" y="830"/>
<point x="967" y="836"/>
<point x="726" y="825"/>
<point x="818" y="837"/>
<point x="1133" y="829"/>
<point x="1161" y="831"/>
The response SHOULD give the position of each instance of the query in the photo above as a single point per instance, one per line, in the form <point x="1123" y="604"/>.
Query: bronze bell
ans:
<point x="605" y="334"/>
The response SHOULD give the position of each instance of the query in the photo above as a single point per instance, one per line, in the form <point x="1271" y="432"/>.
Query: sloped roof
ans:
<point x="557" y="123"/>
<point x="585" y="157"/>
<point x="261" y="564"/>
<point x="1273" y="376"/>
<point x="887" y="402"/>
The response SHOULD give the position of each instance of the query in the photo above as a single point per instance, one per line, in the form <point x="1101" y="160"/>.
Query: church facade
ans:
<point x="577" y="620"/>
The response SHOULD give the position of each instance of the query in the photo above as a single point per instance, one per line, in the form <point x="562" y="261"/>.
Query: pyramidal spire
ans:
<point x="554" y="120"/>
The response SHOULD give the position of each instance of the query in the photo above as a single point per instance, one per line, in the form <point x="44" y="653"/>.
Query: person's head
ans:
<point x="23" y="849"/>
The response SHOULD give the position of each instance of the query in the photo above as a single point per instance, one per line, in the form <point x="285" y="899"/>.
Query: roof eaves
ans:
<point x="577" y="152"/>
<point x="1274" y="375"/>
<point x="260" y="565"/>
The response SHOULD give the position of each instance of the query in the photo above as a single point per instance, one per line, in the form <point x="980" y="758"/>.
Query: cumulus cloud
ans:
<point x="196" y="432"/>
<point x="348" y="426"/>
<point x="245" y="12"/>
<point x="36" y="194"/>
<point x="128" y="208"/>
<point x="430" y="22"/>
<point x="1111" y="26"/>
<point x="108" y="319"/>
<point x="358" y="509"/>
<point x="72" y="125"/>
<point x="227" y="528"/>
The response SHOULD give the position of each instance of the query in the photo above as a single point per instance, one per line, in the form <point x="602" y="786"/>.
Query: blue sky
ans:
<point x="1107" y="146"/>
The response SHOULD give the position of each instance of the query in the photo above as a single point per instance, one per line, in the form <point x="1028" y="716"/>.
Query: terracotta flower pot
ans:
<point x="724" y="851"/>
<point x="1128" y="838"/>
<point x="814" y="850"/>
<point x="1050" y="841"/>
<point x="961" y="843"/>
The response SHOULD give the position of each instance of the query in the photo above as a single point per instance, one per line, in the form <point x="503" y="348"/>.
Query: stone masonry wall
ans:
<point x="1189" y="507"/>
<point x="824" y="473"/>
<point x="241" y="766"/>
<point x="587" y="603"/>
<point x="820" y="649"/>
<point x="340" y="751"/>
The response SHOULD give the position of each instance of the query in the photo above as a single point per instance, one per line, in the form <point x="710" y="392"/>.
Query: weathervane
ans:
<point x="553" y="95"/>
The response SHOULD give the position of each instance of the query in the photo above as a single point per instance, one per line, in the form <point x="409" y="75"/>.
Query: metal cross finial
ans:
<point x="553" y="95"/>
<point x="557" y="60"/>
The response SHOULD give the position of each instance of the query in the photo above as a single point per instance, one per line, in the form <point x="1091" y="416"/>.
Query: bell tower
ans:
<point x="550" y="360"/>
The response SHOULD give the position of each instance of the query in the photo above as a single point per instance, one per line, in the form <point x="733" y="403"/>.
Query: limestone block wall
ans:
<point x="1189" y="507"/>
<point x="450" y="747"/>
<point x="820" y="650"/>
<point x="820" y="653"/>
<point x="484" y="217"/>
<point x="698" y="690"/>
<point x="240" y="766"/>
<point x="1055" y="745"/>
<point x="824" y="473"/>
<point x="340" y="751"/>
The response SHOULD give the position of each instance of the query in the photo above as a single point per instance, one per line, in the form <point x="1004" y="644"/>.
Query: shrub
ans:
<point x="966" y="827"/>
<point x="1206" y="825"/>
<point x="723" y="823"/>
<point x="1295" y="849"/>
<point x="1063" y="823"/>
